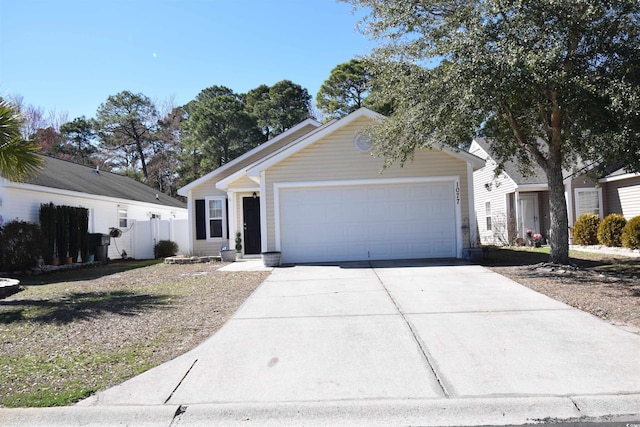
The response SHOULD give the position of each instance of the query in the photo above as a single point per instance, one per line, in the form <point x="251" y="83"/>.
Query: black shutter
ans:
<point x="201" y="225"/>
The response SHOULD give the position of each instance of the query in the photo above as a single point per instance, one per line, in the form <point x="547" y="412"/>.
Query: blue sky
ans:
<point x="69" y="56"/>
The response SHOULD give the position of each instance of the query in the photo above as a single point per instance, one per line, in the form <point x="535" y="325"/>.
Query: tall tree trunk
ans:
<point x="559" y="232"/>
<point x="143" y="161"/>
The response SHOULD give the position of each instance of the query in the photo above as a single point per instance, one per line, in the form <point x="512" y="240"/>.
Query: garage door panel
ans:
<point x="359" y="222"/>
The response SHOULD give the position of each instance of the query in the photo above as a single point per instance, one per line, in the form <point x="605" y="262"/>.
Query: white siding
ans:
<point x="623" y="197"/>
<point x="23" y="204"/>
<point x="489" y="188"/>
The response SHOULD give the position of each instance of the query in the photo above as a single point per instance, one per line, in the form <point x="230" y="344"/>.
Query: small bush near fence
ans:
<point x="165" y="248"/>
<point x="631" y="234"/>
<point x="610" y="230"/>
<point x="20" y="246"/>
<point x="585" y="230"/>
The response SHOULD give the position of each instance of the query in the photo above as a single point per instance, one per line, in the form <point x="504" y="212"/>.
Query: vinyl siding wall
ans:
<point x="208" y="189"/>
<point x="25" y="204"/>
<point x="204" y="247"/>
<point x="243" y="183"/>
<point x="489" y="188"/>
<point x="336" y="158"/>
<point x="622" y="197"/>
<point x="581" y="181"/>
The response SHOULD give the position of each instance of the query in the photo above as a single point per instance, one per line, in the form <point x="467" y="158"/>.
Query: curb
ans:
<point x="426" y="412"/>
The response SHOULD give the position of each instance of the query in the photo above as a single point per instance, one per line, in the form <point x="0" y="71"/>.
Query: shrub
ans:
<point x="610" y="230"/>
<point x="631" y="233"/>
<point x="585" y="230"/>
<point x="165" y="248"/>
<point x="20" y="246"/>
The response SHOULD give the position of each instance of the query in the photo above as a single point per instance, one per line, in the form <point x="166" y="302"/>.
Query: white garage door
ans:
<point x="367" y="222"/>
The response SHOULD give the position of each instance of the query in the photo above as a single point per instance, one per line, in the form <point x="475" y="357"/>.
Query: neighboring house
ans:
<point x="621" y="193"/>
<point x="114" y="201"/>
<point x="511" y="203"/>
<point x="315" y="193"/>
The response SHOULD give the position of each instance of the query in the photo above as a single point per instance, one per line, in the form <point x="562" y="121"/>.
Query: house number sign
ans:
<point x="457" y="193"/>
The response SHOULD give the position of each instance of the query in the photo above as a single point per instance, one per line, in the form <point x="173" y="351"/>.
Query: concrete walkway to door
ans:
<point x="390" y="343"/>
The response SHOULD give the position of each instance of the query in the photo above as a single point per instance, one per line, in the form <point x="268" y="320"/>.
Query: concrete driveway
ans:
<point x="397" y="343"/>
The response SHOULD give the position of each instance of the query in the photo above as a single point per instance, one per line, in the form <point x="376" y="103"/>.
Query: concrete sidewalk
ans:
<point x="383" y="343"/>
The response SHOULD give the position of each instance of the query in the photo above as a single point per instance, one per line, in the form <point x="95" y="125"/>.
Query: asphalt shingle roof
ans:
<point x="71" y="176"/>
<point x="536" y="176"/>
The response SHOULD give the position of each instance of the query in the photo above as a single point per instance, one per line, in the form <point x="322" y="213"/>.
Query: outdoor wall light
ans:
<point x="255" y="196"/>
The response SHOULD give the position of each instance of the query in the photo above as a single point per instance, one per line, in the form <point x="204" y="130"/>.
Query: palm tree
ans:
<point x="18" y="159"/>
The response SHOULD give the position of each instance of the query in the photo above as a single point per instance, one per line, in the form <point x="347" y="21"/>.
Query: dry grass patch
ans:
<point x="70" y="334"/>
<point x="607" y="286"/>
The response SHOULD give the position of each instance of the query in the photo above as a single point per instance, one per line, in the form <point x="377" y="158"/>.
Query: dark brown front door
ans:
<point x="251" y="214"/>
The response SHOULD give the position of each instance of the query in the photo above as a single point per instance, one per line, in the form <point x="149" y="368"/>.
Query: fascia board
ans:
<point x="224" y="183"/>
<point x="619" y="177"/>
<point x="474" y="160"/>
<point x="183" y="190"/>
<point x="531" y="187"/>
<point x="61" y="192"/>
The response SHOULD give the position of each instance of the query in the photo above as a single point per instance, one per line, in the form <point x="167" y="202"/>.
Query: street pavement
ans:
<point x="383" y="343"/>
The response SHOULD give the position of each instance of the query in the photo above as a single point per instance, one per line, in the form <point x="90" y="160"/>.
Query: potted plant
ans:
<point x="238" y="245"/>
<point x="271" y="259"/>
<point x="227" y="255"/>
<point x="537" y="240"/>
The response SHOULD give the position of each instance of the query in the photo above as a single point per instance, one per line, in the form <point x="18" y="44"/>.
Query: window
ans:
<point x="122" y="217"/>
<point x="211" y="218"/>
<point x="215" y="218"/>
<point x="587" y="201"/>
<point x="487" y="208"/>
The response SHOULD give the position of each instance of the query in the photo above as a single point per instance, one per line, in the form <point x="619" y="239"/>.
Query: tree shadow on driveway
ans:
<point x="79" y="306"/>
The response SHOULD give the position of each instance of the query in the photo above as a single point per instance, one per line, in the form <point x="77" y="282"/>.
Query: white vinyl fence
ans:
<point x="140" y="238"/>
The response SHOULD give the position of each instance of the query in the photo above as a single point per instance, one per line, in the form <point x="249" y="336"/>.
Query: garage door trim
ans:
<point x="454" y="180"/>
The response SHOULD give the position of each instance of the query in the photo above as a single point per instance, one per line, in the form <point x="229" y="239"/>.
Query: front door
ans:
<point x="528" y="217"/>
<point x="251" y="215"/>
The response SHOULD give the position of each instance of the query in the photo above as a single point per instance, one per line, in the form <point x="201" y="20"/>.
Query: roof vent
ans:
<point x="157" y="197"/>
<point x="97" y="169"/>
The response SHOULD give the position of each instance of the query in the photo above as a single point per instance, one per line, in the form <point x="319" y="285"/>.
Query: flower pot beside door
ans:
<point x="228" y="255"/>
<point x="271" y="259"/>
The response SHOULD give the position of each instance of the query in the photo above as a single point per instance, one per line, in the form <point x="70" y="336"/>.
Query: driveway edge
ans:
<point x="425" y="412"/>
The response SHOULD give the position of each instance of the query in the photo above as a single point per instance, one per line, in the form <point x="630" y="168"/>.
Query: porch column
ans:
<point x="231" y="219"/>
<point x="516" y="202"/>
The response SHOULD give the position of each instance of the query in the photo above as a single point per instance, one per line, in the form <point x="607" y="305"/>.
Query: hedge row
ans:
<point x="613" y="231"/>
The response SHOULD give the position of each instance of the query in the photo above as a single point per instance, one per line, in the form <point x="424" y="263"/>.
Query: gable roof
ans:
<point x="618" y="175"/>
<point x="537" y="175"/>
<point x="255" y="169"/>
<point x="70" y="176"/>
<point x="309" y="125"/>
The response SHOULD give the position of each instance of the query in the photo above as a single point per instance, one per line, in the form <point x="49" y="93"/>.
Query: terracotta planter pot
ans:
<point x="55" y="261"/>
